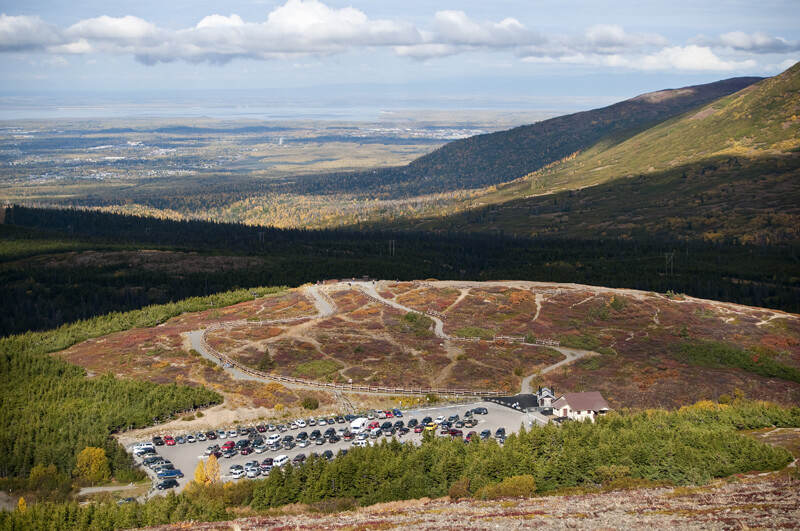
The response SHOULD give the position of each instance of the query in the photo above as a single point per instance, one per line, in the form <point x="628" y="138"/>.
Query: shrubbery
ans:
<point x="691" y="445"/>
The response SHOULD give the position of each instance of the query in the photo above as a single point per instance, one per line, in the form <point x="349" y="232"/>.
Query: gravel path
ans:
<point x="325" y="308"/>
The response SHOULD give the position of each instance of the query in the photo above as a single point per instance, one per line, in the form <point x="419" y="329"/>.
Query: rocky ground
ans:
<point x="764" y="503"/>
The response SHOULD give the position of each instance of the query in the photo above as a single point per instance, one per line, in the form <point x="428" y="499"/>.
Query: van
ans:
<point x="357" y="426"/>
<point x="281" y="460"/>
<point x="361" y="443"/>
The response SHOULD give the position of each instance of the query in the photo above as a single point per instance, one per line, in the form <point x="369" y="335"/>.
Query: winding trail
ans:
<point x="326" y="308"/>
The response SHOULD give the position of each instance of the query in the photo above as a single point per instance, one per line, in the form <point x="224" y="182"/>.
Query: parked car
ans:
<point x="302" y="435"/>
<point x="501" y="432"/>
<point x="236" y="471"/>
<point x="348" y="436"/>
<point x="418" y="428"/>
<point x="221" y="434"/>
<point x="316" y="434"/>
<point x="247" y="450"/>
<point x="261" y="428"/>
<point x="211" y="449"/>
<point x="299" y="459"/>
<point x="169" y="441"/>
<point x="281" y="460"/>
<point x="412" y="423"/>
<point x="426" y="420"/>
<point x="480" y="411"/>
<point x="200" y="436"/>
<point x="170" y="483"/>
<point x="228" y="445"/>
<point x="485" y="434"/>
<point x="397" y="413"/>
<point x="158" y="441"/>
<point x="328" y="433"/>
<point x="191" y="439"/>
<point x="170" y="473"/>
<point x="211" y="435"/>
<point x="327" y="454"/>
<point x="470" y="423"/>
<point x="288" y="445"/>
<point x="403" y="431"/>
<point x="456" y="433"/>
<point x="229" y="453"/>
<point x="333" y="439"/>
<point x="300" y="423"/>
<point x="339" y="419"/>
<point x="472" y="435"/>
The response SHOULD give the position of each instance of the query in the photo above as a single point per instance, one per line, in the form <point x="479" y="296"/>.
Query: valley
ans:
<point x="169" y="276"/>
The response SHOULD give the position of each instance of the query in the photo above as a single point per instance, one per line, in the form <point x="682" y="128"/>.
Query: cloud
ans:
<point x="603" y="38"/>
<point x="311" y="28"/>
<point x="26" y="33"/>
<point x="758" y="42"/>
<point x="686" y="58"/>
<point x="126" y="28"/>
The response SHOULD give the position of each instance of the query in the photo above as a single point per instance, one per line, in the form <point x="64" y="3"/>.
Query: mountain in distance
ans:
<point x="495" y="158"/>
<point x="726" y="169"/>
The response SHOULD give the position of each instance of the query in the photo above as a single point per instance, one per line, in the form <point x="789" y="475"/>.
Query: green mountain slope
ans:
<point x="726" y="170"/>
<point x="494" y="158"/>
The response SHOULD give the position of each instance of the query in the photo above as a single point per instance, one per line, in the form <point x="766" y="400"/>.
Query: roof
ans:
<point x="588" y="401"/>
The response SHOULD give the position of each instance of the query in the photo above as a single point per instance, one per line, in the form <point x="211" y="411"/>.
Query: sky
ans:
<point x="514" y="54"/>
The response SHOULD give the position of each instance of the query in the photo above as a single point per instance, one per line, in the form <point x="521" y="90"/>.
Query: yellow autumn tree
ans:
<point x="22" y="505"/>
<point x="211" y="470"/>
<point x="200" y="473"/>
<point x="92" y="465"/>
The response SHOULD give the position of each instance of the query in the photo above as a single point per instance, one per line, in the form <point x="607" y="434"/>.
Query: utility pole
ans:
<point x="392" y="247"/>
<point x="668" y="265"/>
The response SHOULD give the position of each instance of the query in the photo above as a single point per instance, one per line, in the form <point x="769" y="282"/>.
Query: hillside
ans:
<point x="495" y="158"/>
<point x="726" y="170"/>
<point x="639" y="349"/>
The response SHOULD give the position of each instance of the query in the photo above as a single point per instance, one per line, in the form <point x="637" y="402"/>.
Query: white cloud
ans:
<point x="113" y="29"/>
<point x="302" y="28"/>
<point x="603" y="38"/>
<point x="691" y="58"/>
<point x="217" y="21"/>
<point x="24" y="33"/>
<point x="758" y="42"/>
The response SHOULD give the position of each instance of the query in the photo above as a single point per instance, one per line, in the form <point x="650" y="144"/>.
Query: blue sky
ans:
<point x="466" y="53"/>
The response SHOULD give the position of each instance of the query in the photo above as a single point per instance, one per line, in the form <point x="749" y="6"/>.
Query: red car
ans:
<point x="418" y="428"/>
<point x="228" y="445"/>
<point x="169" y="441"/>
<point x="373" y="425"/>
<point x="389" y="414"/>
<point x="246" y="450"/>
<point x="456" y="433"/>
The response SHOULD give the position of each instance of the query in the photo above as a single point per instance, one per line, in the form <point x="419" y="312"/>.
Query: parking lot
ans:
<point x="186" y="456"/>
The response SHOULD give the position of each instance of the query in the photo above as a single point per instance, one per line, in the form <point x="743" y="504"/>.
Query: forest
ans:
<point x="45" y="283"/>
<point x="623" y="450"/>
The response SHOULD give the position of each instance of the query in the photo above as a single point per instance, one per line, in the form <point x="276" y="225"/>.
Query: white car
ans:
<point x="236" y="471"/>
<point x="281" y="460"/>
<point x="439" y="419"/>
<point x="253" y="472"/>
<point x="300" y="423"/>
<point x="201" y="436"/>
<point x="272" y="439"/>
<point x="360" y="443"/>
<point x="190" y="439"/>
<point x="233" y="433"/>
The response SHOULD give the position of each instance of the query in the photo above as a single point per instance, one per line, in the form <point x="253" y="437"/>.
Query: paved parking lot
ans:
<point x="186" y="456"/>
